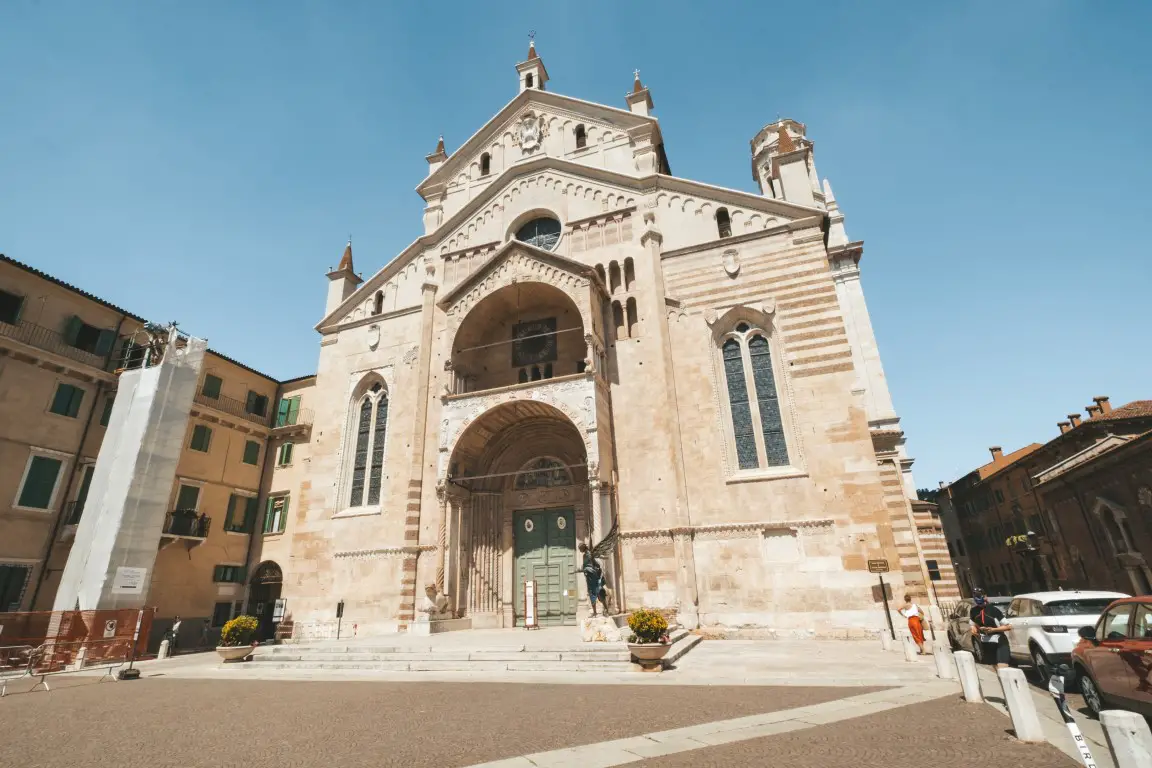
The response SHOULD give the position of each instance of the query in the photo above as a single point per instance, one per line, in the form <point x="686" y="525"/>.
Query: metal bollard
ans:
<point x="1021" y="707"/>
<point x="163" y="652"/>
<point x="969" y="679"/>
<point x="910" y="649"/>
<point x="1129" y="738"/>
<point x="945" y="666"/>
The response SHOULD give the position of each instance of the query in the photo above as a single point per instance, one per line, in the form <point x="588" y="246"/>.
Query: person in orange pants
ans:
<point x="915" y="617"/>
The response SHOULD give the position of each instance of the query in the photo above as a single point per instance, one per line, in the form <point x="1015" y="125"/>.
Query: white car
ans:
<point x="1045" y="625"/>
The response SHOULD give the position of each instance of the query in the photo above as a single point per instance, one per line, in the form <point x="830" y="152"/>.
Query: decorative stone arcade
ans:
<point x="525" y="437"/>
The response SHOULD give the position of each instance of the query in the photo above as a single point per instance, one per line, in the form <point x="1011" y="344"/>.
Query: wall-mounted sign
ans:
<point x="530" y="621"/>
<point x="278" y="609"/>
<point x="877" y="566"/>
<point x="129" y="581"/>
<point x="110" y="629"/>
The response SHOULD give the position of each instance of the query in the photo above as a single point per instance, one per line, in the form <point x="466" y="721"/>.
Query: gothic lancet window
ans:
<point x="754" y="407"/>
<point x="369" y="424"/>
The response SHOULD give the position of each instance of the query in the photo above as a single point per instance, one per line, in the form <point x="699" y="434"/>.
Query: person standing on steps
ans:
<point x="915" y="617"/>
<point x="173" y="636"/>
<point x="988" y="627"/>
<point x="593" y="575"/>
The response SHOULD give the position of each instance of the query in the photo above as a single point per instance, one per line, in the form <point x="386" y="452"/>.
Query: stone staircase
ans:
<point x="484" y="655"/>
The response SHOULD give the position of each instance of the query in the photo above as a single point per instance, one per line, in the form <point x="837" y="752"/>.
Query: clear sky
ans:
<point x="205" y="162"/>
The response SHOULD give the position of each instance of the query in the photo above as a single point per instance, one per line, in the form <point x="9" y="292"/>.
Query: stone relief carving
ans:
<point x="530" y="133"/>
<point x="731" y="260"/>
<point x="561" y="494"/>
<point x="410" y="355"/>
<point x="373" y="336"/>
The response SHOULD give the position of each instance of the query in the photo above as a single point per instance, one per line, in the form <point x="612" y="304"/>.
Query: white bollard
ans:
<point x="969" y="679"/>
<point x="1129" y="738"/>
<point x="885" y="640"/>
<point x="163" y="652"/>
<point x="1021" y="707"/>
<point x="945" y="667"/>
<point x="910" y="649"/>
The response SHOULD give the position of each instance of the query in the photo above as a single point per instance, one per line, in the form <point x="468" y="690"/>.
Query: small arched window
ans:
<point x="613" y="277"/>
<point x="633" y="319"/>
<point x="618" y="320"/>
<point x="581" y="137"/>
<point x="369" y="423"/>
<point x="528" y="81"/>
<point x="629" y="274"/>
<point x="485" y="164"/>
<point x="753" y="399"/>
<point x="723" y="222"/>
<point x="378" y="303"/>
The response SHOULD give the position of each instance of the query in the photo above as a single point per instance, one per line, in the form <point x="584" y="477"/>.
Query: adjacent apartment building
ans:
<point x="60" y="350"/>
<point x="1072" y="513"/>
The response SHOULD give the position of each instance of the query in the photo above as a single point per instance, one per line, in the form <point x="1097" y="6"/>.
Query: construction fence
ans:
<point x="47" y="642"/>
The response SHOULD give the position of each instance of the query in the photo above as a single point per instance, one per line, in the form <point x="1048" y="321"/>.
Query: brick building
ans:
<point x="1062" y="514"/>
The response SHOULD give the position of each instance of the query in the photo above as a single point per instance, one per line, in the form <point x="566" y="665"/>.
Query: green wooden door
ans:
<point x="546" y="552"/>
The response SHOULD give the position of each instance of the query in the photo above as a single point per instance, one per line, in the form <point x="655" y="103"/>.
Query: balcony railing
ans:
<point x="72" y="512"/>
<point x="188" y="523"/>
<point x="301" y="418"/>
<point x="50" y="341"/>
<point x="233" y="407"/>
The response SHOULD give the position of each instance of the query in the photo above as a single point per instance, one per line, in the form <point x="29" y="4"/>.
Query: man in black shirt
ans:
<point x="988" y="627"/>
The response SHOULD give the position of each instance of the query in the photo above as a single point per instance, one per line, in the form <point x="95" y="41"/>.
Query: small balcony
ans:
<point x="50" y="341"/>
<point x="233" y="408"/>
<point x="185" y="524"/>
<point x="292" y="423"/>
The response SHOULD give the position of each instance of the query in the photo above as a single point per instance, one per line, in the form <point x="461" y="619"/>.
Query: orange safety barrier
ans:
<point x="69" y="638"/>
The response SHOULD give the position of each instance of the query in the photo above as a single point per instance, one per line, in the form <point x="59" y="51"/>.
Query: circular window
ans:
<point x="542" y="233"/>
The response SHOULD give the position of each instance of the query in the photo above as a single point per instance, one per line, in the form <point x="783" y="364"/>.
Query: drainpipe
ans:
<point x="259" y="490"/>
<point x="75" y="469"/>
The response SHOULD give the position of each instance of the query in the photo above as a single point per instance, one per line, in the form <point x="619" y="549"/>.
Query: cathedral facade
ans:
<point x="581" y="340"/>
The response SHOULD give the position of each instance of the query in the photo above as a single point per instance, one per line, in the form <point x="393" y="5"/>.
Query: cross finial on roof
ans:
<point x="637" y="86"/>
<point x="532" y="44"/>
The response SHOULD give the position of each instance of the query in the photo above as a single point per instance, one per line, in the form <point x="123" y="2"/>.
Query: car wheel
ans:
<point x="1040" y="665"/>
<point x="1091" y="693"/>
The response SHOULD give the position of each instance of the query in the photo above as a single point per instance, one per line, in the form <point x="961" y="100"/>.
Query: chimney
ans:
<point x="1102" y="401"/>
<point x="1075" y="419"/>
<point x="997" y="453"/>
<point x="1064" y="426"/>
<point x="1093" y="411"/>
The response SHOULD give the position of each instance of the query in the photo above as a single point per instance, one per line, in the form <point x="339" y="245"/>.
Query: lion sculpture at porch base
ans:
<point x="435" y="606"/>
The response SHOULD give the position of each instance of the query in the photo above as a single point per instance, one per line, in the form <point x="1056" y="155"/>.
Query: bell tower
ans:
<point x="532" y="73"/>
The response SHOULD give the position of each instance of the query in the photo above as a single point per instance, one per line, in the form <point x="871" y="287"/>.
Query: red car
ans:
<point x="1113" y="660"/>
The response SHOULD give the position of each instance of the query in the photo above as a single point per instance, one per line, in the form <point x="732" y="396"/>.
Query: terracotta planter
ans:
<point x="650" y="655"/>
<point x="234" y="652"/>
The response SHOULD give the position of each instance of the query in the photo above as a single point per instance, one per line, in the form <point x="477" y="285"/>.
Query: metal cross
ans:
<point x="532" y="35"/>
<point x="636" y="73"/>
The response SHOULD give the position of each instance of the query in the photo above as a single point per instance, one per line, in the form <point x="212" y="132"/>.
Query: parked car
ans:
<point x="1113" y="659"/>
<point x="959" y="627"/>
<point x="1045" y="625"/>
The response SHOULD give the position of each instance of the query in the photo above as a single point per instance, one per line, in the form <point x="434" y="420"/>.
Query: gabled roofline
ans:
<point x="639" y="184"/>
<point x="68" y="286"/>
<point x="473" y="143"/>
<point x="500" y="256"/>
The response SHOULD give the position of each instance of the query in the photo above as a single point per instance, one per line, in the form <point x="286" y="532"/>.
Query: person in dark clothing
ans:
<point x="988" y="627"/>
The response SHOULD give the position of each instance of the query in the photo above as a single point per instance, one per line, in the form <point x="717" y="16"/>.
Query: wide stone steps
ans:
<point x="585" y="657"/>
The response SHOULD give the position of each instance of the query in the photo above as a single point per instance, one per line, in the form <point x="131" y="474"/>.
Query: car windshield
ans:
<point x="1091" y="606"/>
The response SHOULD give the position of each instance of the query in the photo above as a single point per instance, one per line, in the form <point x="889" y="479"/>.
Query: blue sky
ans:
<point x="204" y="162"/>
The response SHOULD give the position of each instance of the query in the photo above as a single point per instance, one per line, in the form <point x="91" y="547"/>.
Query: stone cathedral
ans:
<point x="580" y="340"/>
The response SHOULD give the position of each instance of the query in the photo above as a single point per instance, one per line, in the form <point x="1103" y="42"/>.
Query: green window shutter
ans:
<point x="85" y="484"/>
<point x="104" y="342"/>
<point x="251" y="507"/>
<point x="40" y="482"/>
<point x="61" y="400"/>
<point x="218" y="573"/>
<point x="211" y="386"/>
<point x="74" y="405"/>
<point x="293" y="409"/>
<point x="282" y="413"/>
<point x="251" y="452"/>
<point x="72" y="329"/>
<point x="250" y="406"/>
<point x="106" y="416"/>
<point x="268" y="516"/>
<point x="229" y="518"/>
<point x="201" y="438"/>
<point x="283" y="518"/>
<point x="285" y="454"/>
<point x="10" y="306"/>
<point x="187" y="497"/>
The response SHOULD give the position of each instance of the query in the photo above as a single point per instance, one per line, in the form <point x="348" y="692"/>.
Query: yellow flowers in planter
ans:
<point x="648" y="626"/>
<point x="239" y="631"/>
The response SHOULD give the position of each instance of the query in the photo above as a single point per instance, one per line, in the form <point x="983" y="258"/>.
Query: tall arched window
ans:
<point x="581" y="137"/>
<point x="369" y="422"/>
<point x="378" y="303"/>
<point x="723" y="222"/>
<point x="753" y="400"/>
<point x="485" y="164"/>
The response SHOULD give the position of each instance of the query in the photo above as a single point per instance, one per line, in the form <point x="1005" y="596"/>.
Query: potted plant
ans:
<point x="236" y="638"/>
<point x="649" y="642"/>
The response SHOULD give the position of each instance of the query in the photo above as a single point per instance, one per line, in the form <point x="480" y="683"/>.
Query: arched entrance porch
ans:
<point x="519" y="499"/>
<point x="263" y="592"/>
